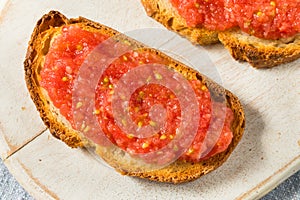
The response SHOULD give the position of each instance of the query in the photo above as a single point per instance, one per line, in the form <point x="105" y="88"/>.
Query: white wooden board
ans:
<point x="268" y="153"/>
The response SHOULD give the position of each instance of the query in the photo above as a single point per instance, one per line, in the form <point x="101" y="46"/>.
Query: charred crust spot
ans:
<point x="276" y="56"/>
<point x="170" y="22"/>
<point x="290" y="42"/>
<point x="38" y="70"/>
<point x="52" y="19"/>
<point x="153" y="14"/>
<point x="244" y="122"/>
<point x="46" y="46"/>
<point x="199" y="77"/>
<point x="181" y="29"/>
<point x="252" y="45"/>
<point x="58" y="21"/>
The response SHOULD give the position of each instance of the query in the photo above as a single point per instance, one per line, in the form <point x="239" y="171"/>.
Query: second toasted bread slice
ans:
<point x="260" y="53"/>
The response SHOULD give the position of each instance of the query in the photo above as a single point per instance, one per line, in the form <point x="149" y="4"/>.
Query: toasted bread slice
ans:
<point x="46" y="29"/>
<point x="260" y="53"/>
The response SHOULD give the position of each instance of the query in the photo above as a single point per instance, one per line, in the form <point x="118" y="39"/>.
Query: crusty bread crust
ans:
<point x="47" y="27"/>
<point x="166" y="14"/>
<point x="34" y="58"/>
<point x="260" y="53"/>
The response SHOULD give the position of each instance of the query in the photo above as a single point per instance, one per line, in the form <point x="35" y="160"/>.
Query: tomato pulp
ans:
<point x="62" y="64"/>
<point x="268" y="19"/>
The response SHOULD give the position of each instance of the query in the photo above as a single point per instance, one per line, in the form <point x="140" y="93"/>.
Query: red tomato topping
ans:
<point x="62" y="64"/>
<point x="269" y="19"/>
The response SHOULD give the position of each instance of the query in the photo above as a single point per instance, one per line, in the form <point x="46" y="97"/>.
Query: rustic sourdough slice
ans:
<point x="47" y="28"/>
<point x="166" y="14"/>
<point x="260" y="53"/>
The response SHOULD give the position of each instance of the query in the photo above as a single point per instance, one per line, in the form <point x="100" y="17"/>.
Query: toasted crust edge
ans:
<point x="175" y="173"/>
<point x="258" y="52"/>
<point x="57" y="128"/>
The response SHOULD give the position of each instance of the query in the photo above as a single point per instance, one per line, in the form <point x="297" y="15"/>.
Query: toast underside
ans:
<point x="178" y="171"/>
<point x="260" y="53"/>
